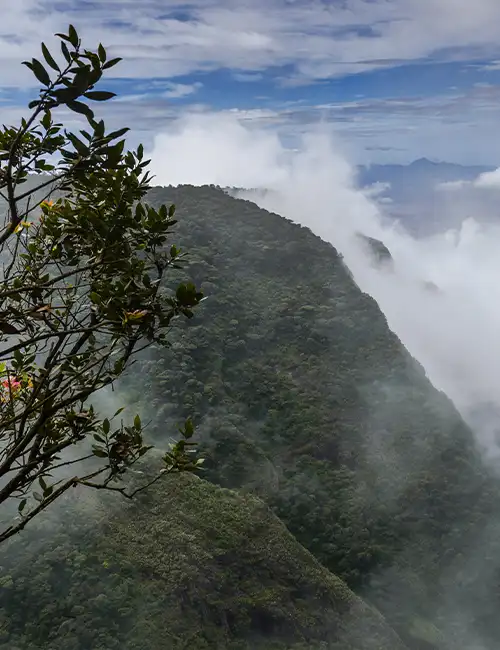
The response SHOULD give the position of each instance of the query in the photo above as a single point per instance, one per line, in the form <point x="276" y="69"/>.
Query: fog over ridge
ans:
<point x="452" y="330"/>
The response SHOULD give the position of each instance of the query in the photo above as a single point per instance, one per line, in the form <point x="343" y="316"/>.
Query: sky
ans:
<point x="398" y="79"/>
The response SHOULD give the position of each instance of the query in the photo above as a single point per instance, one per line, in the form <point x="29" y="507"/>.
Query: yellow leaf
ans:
<point x="21" y="225"/>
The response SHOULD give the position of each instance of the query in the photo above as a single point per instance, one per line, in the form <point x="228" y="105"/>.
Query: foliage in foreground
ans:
<point x="81" y="291"/>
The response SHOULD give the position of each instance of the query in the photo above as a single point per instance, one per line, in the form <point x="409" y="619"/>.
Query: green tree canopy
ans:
<point x="83" y="265"/>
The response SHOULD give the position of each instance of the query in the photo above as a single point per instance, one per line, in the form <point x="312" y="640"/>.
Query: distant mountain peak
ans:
<point x="425" y="162"/>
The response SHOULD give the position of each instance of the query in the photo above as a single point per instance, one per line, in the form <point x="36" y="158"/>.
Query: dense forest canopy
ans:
<point x="311" y="409"/>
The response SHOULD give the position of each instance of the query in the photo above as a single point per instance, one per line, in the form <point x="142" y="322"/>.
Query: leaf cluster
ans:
<point x="83" y="289"/>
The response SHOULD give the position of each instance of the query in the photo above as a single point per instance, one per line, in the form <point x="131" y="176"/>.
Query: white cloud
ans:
<point x="320" y="39"/>
<point x="488" y="180"/>
<point x="204" y="155"/>
<point x="247" y="77"/>
<point x="455" y="127"/>
<point x="478" y="197"/>
<point x="452" y="332"/>
<point x="492" y="67"/>
<point x="316" y="38"/>
<point x="444" y="127"/>
<point x="177" y="91"/>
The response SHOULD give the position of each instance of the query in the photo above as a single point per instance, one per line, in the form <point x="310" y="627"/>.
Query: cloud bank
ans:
<point x="453" y="332"/>
<point x="320" y="39"/>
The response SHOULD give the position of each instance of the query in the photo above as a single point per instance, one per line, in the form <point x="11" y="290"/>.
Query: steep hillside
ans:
<point x="303" y="395"/>
<point x="194" y="566"/>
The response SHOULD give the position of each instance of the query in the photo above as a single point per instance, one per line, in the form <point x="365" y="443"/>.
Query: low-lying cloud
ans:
<point x="453" y="331"/>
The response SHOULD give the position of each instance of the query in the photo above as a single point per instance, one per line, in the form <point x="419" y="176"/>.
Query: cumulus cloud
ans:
<point x="178" y="90"/>
<point x="215" y="148"/>
<point x="453" y="332"/>
<point x="486" y="181"/>
<point x="478" y="197"/>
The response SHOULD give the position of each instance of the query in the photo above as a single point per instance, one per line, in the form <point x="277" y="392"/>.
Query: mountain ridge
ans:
<point x="303" y="397"/>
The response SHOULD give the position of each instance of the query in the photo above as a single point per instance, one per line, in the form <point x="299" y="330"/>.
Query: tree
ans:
<point x="82" y="292"/>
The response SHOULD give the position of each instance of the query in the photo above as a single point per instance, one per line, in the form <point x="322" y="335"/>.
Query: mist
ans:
<point x="452" y="330"/>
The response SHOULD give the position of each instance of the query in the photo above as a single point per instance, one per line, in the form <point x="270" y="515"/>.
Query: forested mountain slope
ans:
<point x="303" y="396"/>
<point x="191" y="566"/>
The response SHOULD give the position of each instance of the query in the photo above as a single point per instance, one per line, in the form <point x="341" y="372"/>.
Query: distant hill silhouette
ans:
<point x="413" y="194"/>
<point x="407" y="180"/>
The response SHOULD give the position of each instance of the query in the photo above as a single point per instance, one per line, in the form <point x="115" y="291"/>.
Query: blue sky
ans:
<point x="398" y="79"/>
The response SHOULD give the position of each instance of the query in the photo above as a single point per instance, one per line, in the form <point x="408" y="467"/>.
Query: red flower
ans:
<point x="11" y="384"/>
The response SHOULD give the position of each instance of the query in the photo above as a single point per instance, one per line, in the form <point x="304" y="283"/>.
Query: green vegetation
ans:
<point x="82" y="291"/>
<point x="189" y="565"/>
<point x="379" y="252"/>
<point x="304" y="396"/>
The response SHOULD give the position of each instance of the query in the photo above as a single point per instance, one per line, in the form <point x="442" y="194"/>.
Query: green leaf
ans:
<point x="65" y="51"/>
<point x="63" y="36"/>
<point x="81" y="80"/>
<point x="101" y="52"/>
<point x="80" y="146"/>
<point x="188" y="429"/>
<point x="99" y="95"/>
<point x="48" y="57"/>
<point x="99" y="129"/>
<point x="80" y="107"/>
<point x="171" y="211"/>
<point x="94" y="59"/>
<point x="40" y="72"/>
<point x="94" y="76"/>
<point x="111" y="63"/>
<point x="119" y="411"/>
<point x="73" y="36"/>
<point x="22" y="505"/>
<point x="63" y="95"/>
<point x="118" y="133"/>
<point x="46" y="120"/>
<point x="99" y="452"/>
<point x="106" y="426"/>
<point x="137" y="423"/>
<point x="70" y="155"/>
